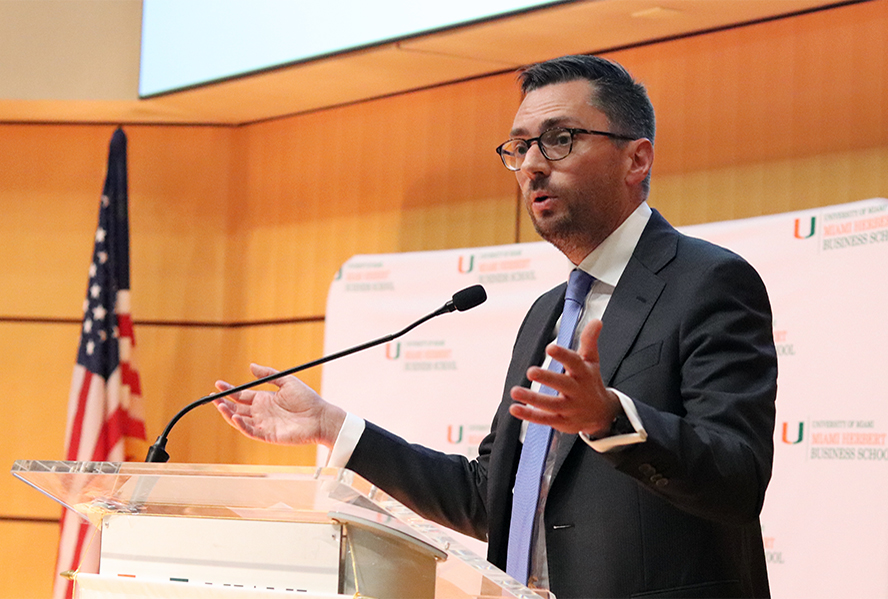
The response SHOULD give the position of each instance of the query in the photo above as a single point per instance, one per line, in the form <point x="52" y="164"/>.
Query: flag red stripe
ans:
<point x="125" y="325"/>
<point x="134" y="428"/>
<point x="118" y="424"/>
<point x="77" y="425"/>
<point x="130" y="378"/>
<point x="74" y="563"/>
<point x="109" y="434"/>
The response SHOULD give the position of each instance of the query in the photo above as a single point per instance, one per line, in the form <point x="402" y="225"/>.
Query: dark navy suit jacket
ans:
<point x="688" y="336"/>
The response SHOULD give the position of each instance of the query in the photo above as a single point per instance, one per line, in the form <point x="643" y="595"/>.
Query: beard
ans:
<point x="577" y="227"/>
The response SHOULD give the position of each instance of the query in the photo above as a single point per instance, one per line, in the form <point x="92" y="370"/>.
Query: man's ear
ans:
<point x="640" y="153"/>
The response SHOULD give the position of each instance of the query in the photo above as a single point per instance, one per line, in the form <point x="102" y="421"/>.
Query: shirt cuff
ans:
<point x="346" y="441"/>
<point x="605" y="444"/>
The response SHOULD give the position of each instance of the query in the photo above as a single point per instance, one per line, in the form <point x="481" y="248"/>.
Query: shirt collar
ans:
<point x="608" y="261"/>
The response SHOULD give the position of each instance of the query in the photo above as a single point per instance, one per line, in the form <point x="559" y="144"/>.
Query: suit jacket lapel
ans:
<point x="635" y="294"/>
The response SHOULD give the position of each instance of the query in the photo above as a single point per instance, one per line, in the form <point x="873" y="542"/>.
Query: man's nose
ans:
<point x="534" y="162"/>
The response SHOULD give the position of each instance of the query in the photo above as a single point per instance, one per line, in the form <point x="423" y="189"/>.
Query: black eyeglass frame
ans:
<point x="572" y="130"/>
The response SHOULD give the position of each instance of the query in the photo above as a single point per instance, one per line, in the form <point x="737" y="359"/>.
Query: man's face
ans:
<point x="576" y="202"/>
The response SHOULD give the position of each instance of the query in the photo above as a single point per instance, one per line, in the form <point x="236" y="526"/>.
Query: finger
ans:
<point x="570" y="360"/>
<point x="522" y="412"/>
<point x="261" y="372"/>
<point x="561" y="383"/>
<point x="227" y="409"/>
<point x="537" y="401"/>
<point x="244" y="425"/>
<point x="238" y="415"/>
<point x="244" y="397"/>
<point x="223" y="386"/>
<point x="588" y="349"/>
<point x="531" y="414"/>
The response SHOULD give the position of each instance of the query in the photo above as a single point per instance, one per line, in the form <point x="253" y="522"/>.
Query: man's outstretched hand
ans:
<point x="292" y="415"/>
<point x="583" y="403"/>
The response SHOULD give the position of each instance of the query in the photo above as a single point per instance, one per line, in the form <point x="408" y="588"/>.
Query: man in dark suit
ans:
<point x="662" y="409"/>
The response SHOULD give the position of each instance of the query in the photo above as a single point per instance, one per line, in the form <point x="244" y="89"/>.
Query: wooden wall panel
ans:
<point x="27" y="559"/>
<point x="37" y="362"/>
<point x="805" y="86"/>
<point x="179" y="365"/>
<point x="181" y="185"/>
<point x="772" y="187"/>
<point x="50" y="183"/>
<point x="412" y="172"/>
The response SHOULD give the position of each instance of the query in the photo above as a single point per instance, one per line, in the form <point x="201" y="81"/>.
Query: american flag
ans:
<point x="105" y="418"/>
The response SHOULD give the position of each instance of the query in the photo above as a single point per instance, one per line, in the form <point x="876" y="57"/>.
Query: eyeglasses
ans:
<point x="555" y="144"/>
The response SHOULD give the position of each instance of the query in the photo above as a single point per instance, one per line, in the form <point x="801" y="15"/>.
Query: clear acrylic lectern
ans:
<point x="218" y="531"/>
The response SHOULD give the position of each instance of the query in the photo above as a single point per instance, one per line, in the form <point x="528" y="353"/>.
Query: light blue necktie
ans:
<point x="536" y="442"/>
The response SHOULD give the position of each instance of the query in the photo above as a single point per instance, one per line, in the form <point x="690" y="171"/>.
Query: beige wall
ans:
<point x="232" y="226"/>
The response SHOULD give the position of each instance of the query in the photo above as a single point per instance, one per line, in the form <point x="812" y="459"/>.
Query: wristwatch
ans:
<point x="621" y="425"/>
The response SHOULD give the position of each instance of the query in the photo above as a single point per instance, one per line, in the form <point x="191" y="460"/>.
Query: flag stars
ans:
<point x="103" y="257"/>
<point x="87" y="326"/>
<point x="94" y="291"/>
<point x="100" y="235"/>
<point x="99" y="312"/>
<point x="90" y="348"/>
<point x="92" y="270"/>
<point x="105" y="201"/>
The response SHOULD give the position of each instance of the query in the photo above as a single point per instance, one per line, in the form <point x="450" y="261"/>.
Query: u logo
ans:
<point x="393" y="351"/>
<point x="450" y="438"/>
<point x="786" y="433"/>
<point x="798" y="226"/>
<point x="462" y="266"/>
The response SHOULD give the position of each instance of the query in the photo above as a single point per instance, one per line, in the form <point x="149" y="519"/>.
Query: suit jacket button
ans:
<point x="662" y="482"/>
<point x="647" y="469"/>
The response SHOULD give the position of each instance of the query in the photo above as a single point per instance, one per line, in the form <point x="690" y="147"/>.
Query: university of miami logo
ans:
<point x="800" y="233"/>
<point x="338" y="274"/>
<point x="451" y="434"/>
<point x="393" y="350"/>
<point x="799" y="435"/>
<point x="466" y="266"/>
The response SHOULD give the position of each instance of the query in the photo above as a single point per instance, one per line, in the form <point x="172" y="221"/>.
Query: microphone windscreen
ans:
<point x="469" y="297"/>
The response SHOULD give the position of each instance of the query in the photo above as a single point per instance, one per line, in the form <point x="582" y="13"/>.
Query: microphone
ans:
<point x="463" y="300"/>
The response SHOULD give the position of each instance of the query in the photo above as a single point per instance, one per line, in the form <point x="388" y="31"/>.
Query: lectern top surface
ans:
<point x="95" y="490"/>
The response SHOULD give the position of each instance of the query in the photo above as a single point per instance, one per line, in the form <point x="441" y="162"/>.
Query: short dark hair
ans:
<point x="622" y="99"/>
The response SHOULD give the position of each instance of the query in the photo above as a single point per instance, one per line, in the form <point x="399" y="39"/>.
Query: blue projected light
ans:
<point x="190" y="42"/>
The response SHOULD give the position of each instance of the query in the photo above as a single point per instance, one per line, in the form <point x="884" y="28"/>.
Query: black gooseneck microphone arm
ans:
<point x="462" y="300"/>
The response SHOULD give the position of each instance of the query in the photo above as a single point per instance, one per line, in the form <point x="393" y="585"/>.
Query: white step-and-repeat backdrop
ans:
<point x="825" y="519"/>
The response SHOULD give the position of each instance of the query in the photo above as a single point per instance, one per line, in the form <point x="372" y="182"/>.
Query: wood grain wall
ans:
<point x="233" y="228"/>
